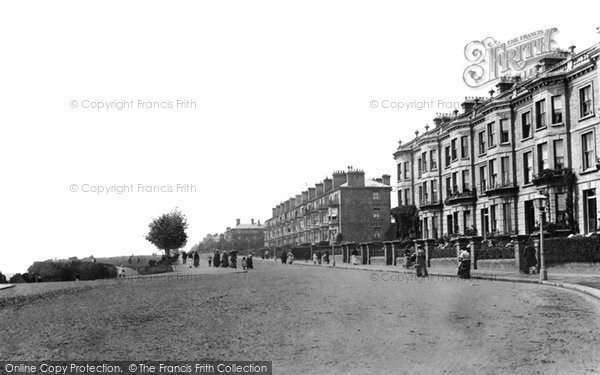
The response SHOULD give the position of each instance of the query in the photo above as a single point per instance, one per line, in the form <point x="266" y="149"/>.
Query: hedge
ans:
<point x="448" y="252"/>
<point x="576" y="250"/>
<point x="495" y="252"/>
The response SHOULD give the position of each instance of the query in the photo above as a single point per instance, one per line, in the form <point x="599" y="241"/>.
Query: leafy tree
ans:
<point x="167" y="232"/>
<point x="406" y="219"/>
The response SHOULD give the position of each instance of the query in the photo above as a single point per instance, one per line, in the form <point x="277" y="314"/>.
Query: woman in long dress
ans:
<point x="224" y="259"/>
<point x="421" y="263"/>
<point x="217" y="259"/>
<point x="464" y="264"/>
<point x="196" y="259"/>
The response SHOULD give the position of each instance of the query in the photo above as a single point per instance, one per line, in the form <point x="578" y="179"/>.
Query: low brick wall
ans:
<point x="444" y="262"/>
<point x="497" y="264"/>
<point x="584" y="268"/>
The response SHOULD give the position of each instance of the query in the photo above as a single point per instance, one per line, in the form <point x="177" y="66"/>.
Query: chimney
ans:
<point x="252" y="221"/>
<point x="468" y="104"/>
<point x="386" y="179"/>
<point x="437" y="121"/>
<point x="379" y="180"/>
<point x="319" y="188"/>
<point x="305" y="196"/>
<point x="327" y="184"/>
<point x="311" y="193"/>
<point x="339" y="177"/>
<point x="259" y="223"/>
<point x="298" y="200"/>
<point x="237" y="222"/>
<point x="505" y="84"/>
<point x="356" y="178"/>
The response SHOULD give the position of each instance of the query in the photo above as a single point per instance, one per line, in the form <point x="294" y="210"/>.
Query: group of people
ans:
<point x="420" y="259"/>
<point x="320" y="258"/>
<point x="287" y="258"/>
<point x="194" y="259"/>
<point x="225" y="260"/>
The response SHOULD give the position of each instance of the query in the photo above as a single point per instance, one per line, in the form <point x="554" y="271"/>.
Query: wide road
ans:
<point x="316" y="320"/>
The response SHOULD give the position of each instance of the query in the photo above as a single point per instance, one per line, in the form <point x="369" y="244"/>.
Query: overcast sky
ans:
<point x="282" y="96"/>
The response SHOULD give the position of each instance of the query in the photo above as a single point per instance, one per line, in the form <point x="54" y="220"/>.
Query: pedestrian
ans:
<point x="196" y="259"/>
<point x="464" y="264"/>
<point x="530" y="259"/>
<point x="250" y="262"/>
<point x="421" y="263"/>
<point x="290" y="258"/>
<point x="315" y="258"/>
<point x="319" y="257"/>
<point x="306" y="256"/>
<point x="283" y="257"/>
<point x="139" y="260"/>
<point x="184" y="257"/>
<point x="244" y="263"/>
<point x="225" y="260"/>
<point x="266" y="254"/>
<point x="326" y="257"/>
<point x="407" y="259"/>
<point x="121" y="271"/>
<point x="216" y="259"/>
<point x="233" y="260"/>
<point x="354" y="258"/>
<point x="209" y="259"/>
<point x="130" y="259"/>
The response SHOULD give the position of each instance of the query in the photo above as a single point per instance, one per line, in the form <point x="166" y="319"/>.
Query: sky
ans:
<point x="106" y="107"/>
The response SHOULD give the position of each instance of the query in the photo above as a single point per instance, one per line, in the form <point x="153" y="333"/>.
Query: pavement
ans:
<point x="584" y="283"/>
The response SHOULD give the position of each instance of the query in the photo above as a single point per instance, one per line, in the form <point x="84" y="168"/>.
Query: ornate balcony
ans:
<point x="500" y="187"/>
<point x="558" y="176"/>
<point x="466" y="196"/>
<point x="429" y="203"/>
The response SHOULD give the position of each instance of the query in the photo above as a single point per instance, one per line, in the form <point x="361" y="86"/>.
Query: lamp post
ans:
<point x="541" y="199"/>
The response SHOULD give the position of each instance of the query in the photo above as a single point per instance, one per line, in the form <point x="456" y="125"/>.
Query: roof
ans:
<point x="369" y="184"/>
<point x="249" y="226"/>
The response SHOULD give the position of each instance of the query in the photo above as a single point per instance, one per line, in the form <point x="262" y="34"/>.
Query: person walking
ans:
<point x="319" y="257"/>
<point x="354" y="258"/>
<point x="326" y="257"/>
<point x="216" y="259"/>
<point x="530" y="259"/>
<point x="244" y="263"/>
<point x="196" y="259"/>
<point x="315" y="258"/>
<point x="464" y="264"/>
<point x="184" y="257"/>
<point x="290" y="258"/>
<point x="306" y="256"/>
<point x="407" y="259"/>
<point x="233" y="260"/>
<point x="209" y="259"/>
<point x="283" y="257"/>
<point x="421" y="263"/>
<point x="250" y="262"/>
<point x="224" y="260"/>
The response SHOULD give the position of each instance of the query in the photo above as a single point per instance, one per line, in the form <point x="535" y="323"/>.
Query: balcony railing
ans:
<point x="429" y="202"/>
<point x="550" y="176"/>
<point x="500" y="186"/>
<point x="457" y="196"/>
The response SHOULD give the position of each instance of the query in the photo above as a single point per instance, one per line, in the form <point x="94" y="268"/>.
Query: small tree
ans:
<point x="167" y="232"/>
<point x="406" y="219"/>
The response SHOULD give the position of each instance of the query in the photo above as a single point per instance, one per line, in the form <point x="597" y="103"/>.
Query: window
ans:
<point x="482" y="142"/>
<point x="587" y="150"/>
<point x="493" y="218"/>
<point x="454" y="153"/>
<point x="585" y="101"/>
<point x="557" y="109"/>
<point x="433" y="159"/>
<point x="505" y="170"/>
<point x="491" y="134"/>
<point x="420" y="194"/>
<point x="455" y="182"/>
<point x="407" y="196"/>
<point x="527" y="170"/>
<point x="540" y="114"/>
<point x="399" y="171"/>
<point x="542" y="154"/>
<point x="448" y="186"/>
<point x="424" y="161"/>
<point x="376" y="195"/>
<point x="466" y="180"/>
<point x="447" y="155"/>
<point x="464" y="146"/>
<point x="406" y="174"/>
<point x="399" y="197"/>
<point x="377" y="233"/>
<point x="425" y="192"/>
<point x="559" y="154"/>
<point x="455" y="221"/>
<point x="504" y="131"/>
<point x="482" y="178"/>
<point x="526" y="125"/>
<point x="419" y="168"/>
<point x="434" y="191"/>
<point x="506" y="218"/>
<point x="492" y="166"/>
<point x="376" y="213"/>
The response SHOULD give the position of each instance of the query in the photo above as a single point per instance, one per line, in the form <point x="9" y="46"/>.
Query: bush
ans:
<point x="495" y="252"/>
<point x="576" y="250"/>
<point x="70" y="271"/>
<point x="17" y="278"/>
<point x="2" y="279"/>
<point x="159" y="268"/>
<point x="447" y="252"/>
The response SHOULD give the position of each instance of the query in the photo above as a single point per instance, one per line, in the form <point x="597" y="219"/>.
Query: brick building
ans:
<point x="347" y="203"/>
<point x="245" y="236"/>
<point x="478" y="171"/>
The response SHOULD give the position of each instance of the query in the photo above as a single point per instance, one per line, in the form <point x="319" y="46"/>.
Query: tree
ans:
<point x="407" y="221"/>
<point x="167" y="232"/>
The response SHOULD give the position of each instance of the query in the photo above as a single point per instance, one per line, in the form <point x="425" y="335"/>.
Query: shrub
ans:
<point x="149" y="270"/>
<point x="17" y="278"/>
<point x="2" y="279"/>
<point x="446" y="252"/>
<point x="495" y="252"/>
<point x="63" y="271"/>
<point x="577" y="250"/>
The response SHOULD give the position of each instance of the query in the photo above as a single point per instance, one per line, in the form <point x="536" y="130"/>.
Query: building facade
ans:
<point x="248" y="236"/>
<point x="477" y="171"/>
<point x="345" y="204"/>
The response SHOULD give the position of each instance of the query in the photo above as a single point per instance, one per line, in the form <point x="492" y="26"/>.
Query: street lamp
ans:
<point x="541" y="199"/>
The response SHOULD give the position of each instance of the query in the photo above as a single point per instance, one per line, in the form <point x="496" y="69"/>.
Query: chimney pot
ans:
<point x="237" y="222"/>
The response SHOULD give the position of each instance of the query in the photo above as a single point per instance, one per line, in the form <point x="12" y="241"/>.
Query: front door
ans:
<point x="529" y="217"/>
